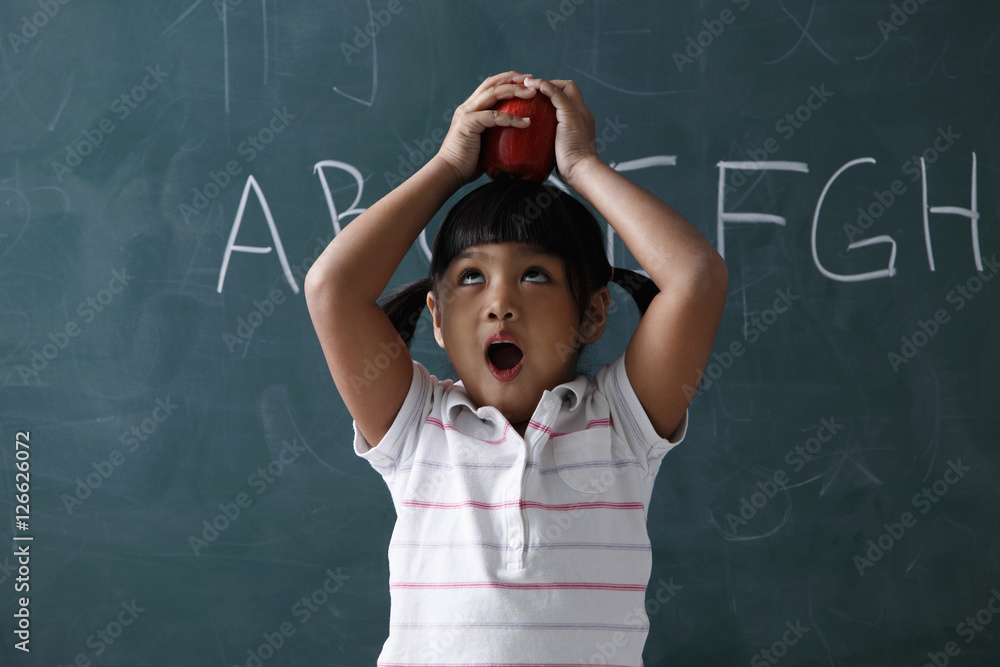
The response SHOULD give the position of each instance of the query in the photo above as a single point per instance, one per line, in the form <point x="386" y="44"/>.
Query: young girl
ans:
<point x="521" y="489"/>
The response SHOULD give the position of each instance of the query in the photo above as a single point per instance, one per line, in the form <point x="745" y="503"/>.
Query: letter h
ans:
<point x="971" y="213"/>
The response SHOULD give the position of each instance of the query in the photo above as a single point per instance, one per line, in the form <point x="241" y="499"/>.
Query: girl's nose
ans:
<point x="503" y="303"/>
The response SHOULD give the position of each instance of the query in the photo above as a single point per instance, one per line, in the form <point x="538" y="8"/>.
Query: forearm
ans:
<point x="367" y="251"/>
<point x="668" y="247"/>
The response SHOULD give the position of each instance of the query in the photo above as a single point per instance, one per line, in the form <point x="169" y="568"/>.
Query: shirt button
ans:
<point x="515" y="543"/>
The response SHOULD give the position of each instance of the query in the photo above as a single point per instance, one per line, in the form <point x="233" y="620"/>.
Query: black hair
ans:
<point x="516" y="210"/>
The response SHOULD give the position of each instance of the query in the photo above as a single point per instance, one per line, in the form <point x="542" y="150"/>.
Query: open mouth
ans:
<point x="505" y="355"/>
<point x="504" y="359"/>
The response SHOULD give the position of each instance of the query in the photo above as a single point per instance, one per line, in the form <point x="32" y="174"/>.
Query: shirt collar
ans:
<point x="570" y="394"/>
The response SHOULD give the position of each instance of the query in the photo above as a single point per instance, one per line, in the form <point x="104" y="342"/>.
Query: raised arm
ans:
<point x="672" y="343"/>
<point x="353" y="271"/>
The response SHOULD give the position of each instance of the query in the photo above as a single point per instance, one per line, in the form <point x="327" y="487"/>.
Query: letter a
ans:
<point x="231" y="244"/>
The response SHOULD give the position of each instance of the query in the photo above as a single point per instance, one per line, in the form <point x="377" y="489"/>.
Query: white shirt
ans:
<point x="520" y="551"/>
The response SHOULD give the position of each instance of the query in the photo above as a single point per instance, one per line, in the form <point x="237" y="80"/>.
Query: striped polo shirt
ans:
<point x="510" y="551"/>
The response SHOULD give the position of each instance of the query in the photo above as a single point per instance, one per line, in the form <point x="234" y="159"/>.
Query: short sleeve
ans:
<point x="630" y="419"/>
<point x="399" y="442"/>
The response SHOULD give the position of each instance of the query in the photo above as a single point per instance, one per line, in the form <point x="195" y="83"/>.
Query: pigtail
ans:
<point x="404" y="305"/>
<point x="638" y="286"/>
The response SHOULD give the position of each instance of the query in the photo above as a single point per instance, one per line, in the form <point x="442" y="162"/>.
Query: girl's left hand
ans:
<point x="575" y="136"/>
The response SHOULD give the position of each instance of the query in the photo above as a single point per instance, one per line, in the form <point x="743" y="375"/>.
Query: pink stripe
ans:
<point x="466" y="503"/>
<point x="433" y="421"/>
<point x="499" y="584"/>
<point x="541" y="427"/>
<point x="593" y="423"/>
<point x="523" y="504"/>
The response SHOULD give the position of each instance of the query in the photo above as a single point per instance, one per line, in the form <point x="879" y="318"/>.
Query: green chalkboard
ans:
<point x="169" y="171"/>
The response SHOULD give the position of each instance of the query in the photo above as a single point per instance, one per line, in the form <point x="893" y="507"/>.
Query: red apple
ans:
<point x="516" y="152"/>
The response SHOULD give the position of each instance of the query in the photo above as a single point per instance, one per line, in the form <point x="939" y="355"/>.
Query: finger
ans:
<point x="569" y="87"/>
<point x="497" y="79"/>
<point x="493" y="118"/>
<point x="565" y="95"/>
<point x="490" y="97"/>
<point x="560" y="99"/>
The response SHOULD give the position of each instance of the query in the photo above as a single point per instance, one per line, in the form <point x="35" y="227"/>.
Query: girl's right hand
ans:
<point x="460" y="148"/>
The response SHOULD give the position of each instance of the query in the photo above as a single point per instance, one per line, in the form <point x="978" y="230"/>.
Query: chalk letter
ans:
<point x="853" y="277"/>
<point x="231" y="246"/>
<point x="351" y="210"/>
<point x="724" y="217"/>
<point x="971" y="213"/>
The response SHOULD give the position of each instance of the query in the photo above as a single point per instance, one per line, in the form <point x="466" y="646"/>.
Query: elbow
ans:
<point x="324" y="275"/>
<point x="313" y="279"/>
<point x="313" y="284"/>
<point x="710" y="280"/>
<point x="318" y="284"/>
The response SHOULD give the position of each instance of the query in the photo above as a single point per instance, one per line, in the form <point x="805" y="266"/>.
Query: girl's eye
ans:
<point x="464" y="279"/>
<point x="540" y="276"/>
<point x="472" y="276"/>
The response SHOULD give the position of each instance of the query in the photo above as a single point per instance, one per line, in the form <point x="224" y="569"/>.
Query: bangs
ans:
<point x="507" y="211"/>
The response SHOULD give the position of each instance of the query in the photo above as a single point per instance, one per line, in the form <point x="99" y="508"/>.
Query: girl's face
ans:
<point x="523" y="291"/>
